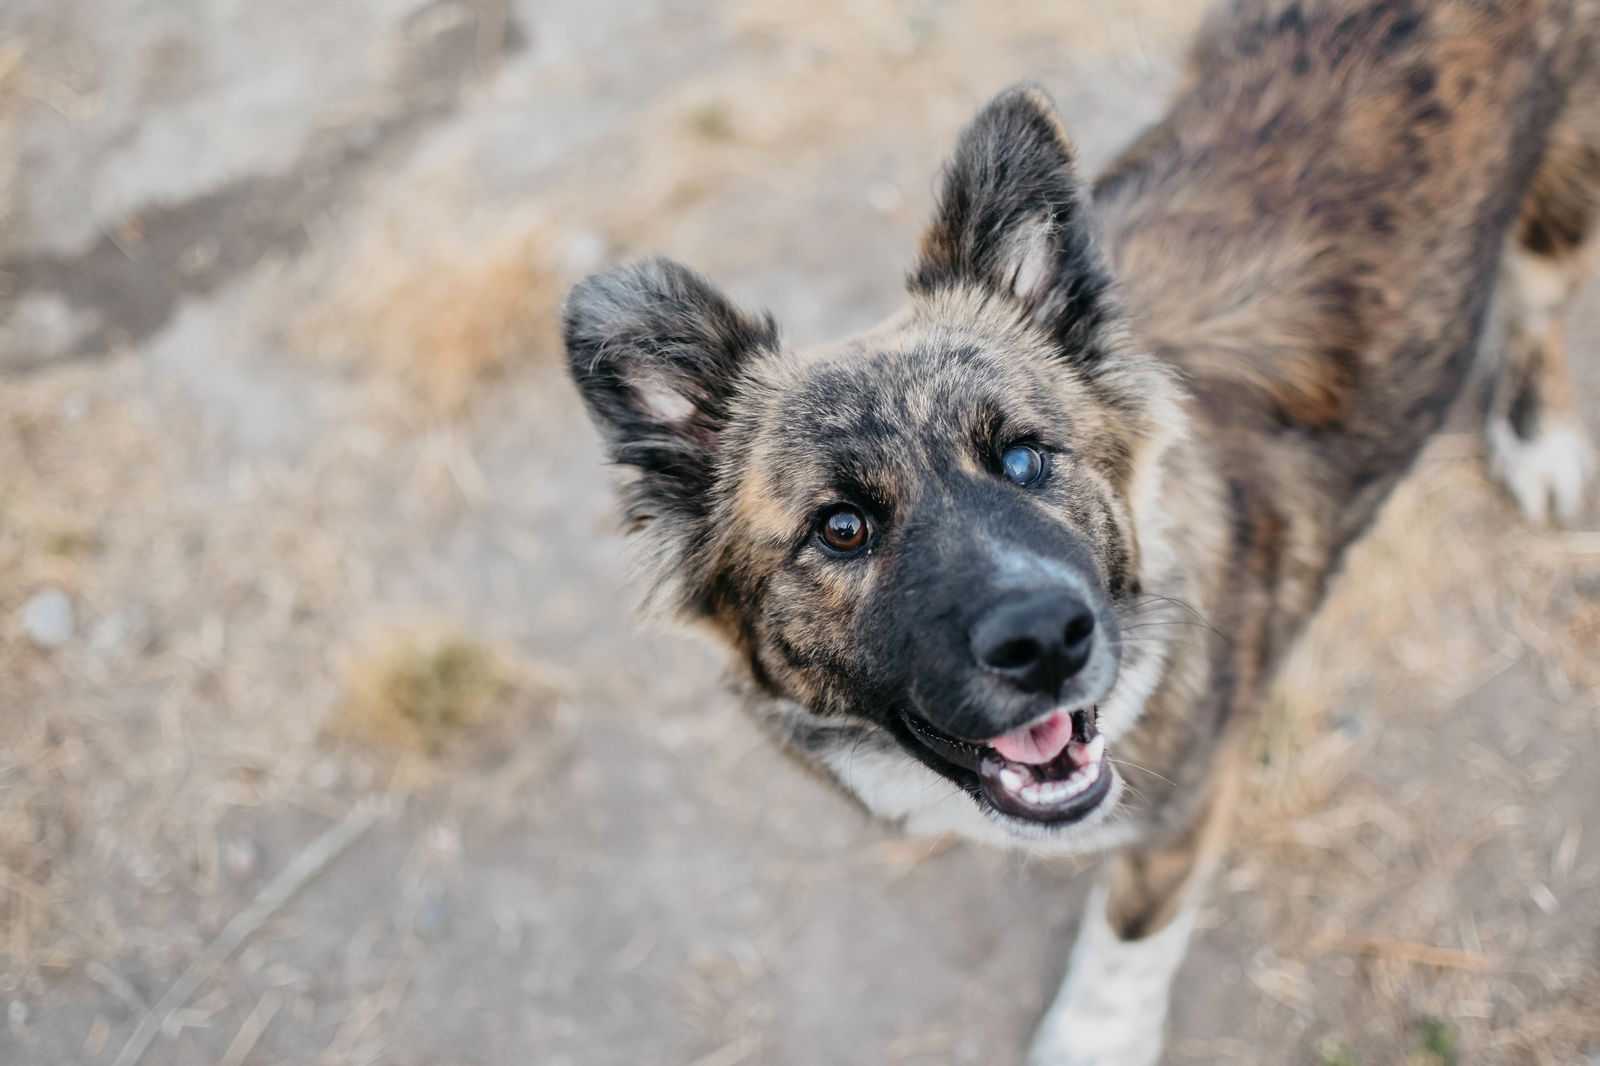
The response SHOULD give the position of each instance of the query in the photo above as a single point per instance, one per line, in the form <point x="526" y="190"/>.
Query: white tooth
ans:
<point x="1077" y="783"/>
<point x="1011" y="779"/>
<point x="1092" y="772"/>
<point x="1097" y="750"/>
<point x="1030" y="793"/>
<point x="1078" y="751"/>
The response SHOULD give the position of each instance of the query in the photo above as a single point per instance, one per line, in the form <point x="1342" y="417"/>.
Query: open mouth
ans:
<point x="1051" y="771"/>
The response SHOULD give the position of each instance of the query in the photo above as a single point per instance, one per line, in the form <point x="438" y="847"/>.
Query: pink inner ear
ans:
<point x="1033" y="262"/>
<point x="663" y="402"/>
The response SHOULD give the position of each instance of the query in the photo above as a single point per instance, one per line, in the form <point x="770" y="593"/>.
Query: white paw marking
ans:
<point x="1112" y="1007"/>
<point x="1547" y="474"/>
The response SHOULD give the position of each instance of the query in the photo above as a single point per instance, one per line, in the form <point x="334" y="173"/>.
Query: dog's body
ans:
<point x="1038" y="517"/>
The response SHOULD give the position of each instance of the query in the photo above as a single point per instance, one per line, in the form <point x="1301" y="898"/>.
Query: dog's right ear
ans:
<point x="1013" y="217"/>
<point x="658" y="354"/>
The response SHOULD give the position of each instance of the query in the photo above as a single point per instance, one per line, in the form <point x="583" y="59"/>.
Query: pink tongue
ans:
<point x="1036" y="744"/>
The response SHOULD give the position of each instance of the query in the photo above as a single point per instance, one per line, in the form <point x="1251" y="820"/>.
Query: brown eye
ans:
<point x="844" y="529"/>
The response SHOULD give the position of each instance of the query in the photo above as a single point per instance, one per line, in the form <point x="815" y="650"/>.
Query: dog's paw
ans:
<point x="1074" y="1038"/>
<point x="1112" y="1008"/>
<point x="1546" y="474"/>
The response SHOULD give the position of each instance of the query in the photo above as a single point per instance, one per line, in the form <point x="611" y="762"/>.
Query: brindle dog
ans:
<point x="1037" y="543"/>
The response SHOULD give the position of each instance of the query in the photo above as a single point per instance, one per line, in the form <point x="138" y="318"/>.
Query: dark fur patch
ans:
<point x="660" y="326"/>
<point x="1013" y="177"/>
<point x="1564" y="206"/>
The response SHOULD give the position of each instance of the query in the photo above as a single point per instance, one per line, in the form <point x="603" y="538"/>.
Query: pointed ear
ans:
<point x="657" y="354"/>
<point x="1013" y="217"/>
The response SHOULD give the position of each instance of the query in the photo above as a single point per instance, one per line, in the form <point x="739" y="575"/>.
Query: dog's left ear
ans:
<point x="1013" y="217"/>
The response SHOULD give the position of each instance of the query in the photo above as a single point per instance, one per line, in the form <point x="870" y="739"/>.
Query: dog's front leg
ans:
<point x="1112" y="1006"/>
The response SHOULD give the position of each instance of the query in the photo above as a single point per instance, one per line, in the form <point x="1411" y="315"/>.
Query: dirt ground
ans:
<point x="282" y="421"/>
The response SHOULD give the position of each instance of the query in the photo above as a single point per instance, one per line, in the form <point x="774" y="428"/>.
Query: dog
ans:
<point x="1042" y="538"/>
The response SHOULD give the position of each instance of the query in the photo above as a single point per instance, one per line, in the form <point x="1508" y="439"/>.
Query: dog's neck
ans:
<point x="1173" y="705"/>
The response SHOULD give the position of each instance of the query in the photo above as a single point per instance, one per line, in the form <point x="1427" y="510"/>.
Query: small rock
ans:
<point x="240" y="857"/>
<point x="47" y="619"/>
<point x="75" y="407"/>
<point x="199" y="257"/>
<point x="445" y="840"/>
<point x="1349" y="725"/>
<point x="41" y="327"/>
<point x="362" y="136"/>
<point x="116" y="632"/>
<point x="325" y="775"/>
<point x="433" y="916"/>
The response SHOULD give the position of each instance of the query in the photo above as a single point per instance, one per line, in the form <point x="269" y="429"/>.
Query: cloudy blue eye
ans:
<point x="1022" y="463"/>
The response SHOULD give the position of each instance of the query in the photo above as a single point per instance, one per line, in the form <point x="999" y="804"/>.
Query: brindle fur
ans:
<point x="1306" y="254"/>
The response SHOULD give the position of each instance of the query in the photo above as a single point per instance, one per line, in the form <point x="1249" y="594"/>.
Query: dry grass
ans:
<point x="51" y="756"/>
<point x="439" y="299"/>
<point x="1449" y="589"/>
<point x="1382" y="612"/>
<point x="12" y="54"/>
<point x="39" y="820"/>
<point x="758" y="124"/>
<point x="199" y="684"/>
<point x="1447" y="592"/>
<point x="424" y="302"/>
<point x="425" y="694"/>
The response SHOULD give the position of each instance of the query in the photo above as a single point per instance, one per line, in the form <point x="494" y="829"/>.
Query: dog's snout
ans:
<point x="1036" y="641"/>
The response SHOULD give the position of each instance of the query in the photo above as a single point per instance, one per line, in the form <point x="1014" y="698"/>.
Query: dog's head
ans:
<point x="924" y="541"/>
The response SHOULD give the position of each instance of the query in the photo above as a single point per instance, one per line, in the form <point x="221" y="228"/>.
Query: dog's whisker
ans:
<point x="1145" y="769"/>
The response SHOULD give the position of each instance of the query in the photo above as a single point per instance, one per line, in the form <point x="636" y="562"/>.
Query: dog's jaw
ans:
<point x="873" y="768"/>
<point x="897" y="788"/>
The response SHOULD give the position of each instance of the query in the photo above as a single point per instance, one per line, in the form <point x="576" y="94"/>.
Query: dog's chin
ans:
<point x="1040" y="779"/>
<point x="1058" y="802"/>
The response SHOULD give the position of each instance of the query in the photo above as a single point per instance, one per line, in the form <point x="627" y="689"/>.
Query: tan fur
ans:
<point x="1150" y="884"/>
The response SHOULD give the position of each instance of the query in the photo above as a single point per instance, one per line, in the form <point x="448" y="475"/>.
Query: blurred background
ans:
<point x="326" y="733"/>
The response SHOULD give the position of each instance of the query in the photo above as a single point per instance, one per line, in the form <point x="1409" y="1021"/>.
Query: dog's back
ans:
<point x="1315" y="233"/>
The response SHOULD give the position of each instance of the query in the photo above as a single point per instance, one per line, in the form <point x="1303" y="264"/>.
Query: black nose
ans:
<point x="1037" y="641"/>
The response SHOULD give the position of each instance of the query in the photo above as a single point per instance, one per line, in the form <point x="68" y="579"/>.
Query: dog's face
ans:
<point x="924" y="542"/>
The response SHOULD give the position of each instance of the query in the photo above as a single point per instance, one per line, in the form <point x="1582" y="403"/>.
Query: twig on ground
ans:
<point x="1579" y="543"/>
<point x="251" y="1029"/>
<point x="1410" y="951"/>
<point x="313" y="859"/>
<point x="117" y="985"/>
